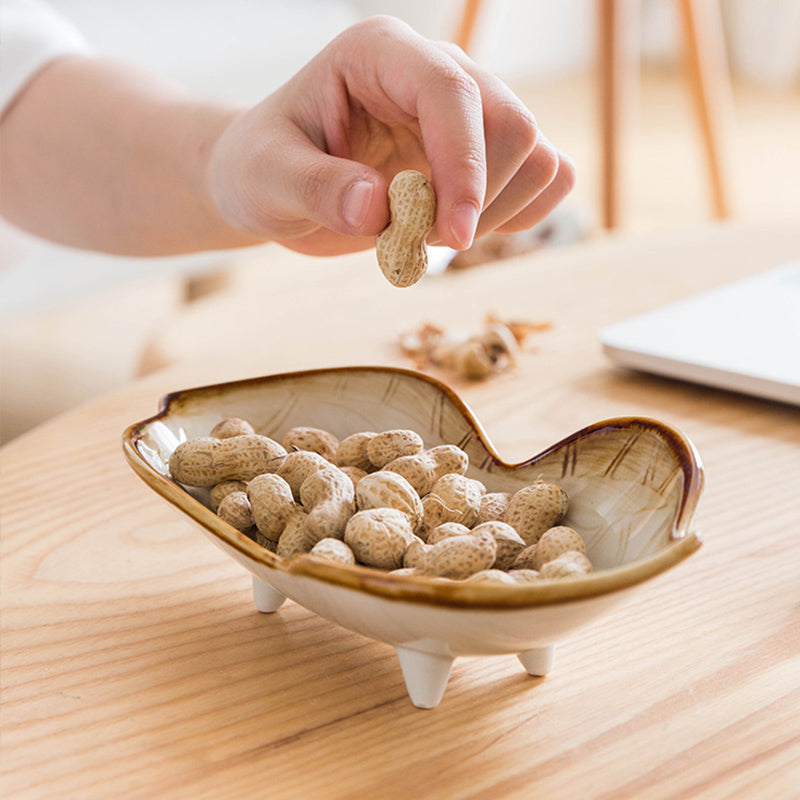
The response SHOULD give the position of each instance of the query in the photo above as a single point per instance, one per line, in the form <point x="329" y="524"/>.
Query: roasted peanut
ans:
<point x="314" y="440"/>
<point x="272" y="503"/>
<point x="352" y="451"/>
<point x="206" y="461"/>
<point x="400" y="248"/>
<point x="354" y="473"/>
<point x="329" y="498"/>
<point x="525" y="559"/>
<point x="389" y="490"/>
<point x="493" y="506"/>
<point x="333" y="550"/>
<point x="535" y="508"/>
<point x="424" y="469"/>
<point x="235" y="510"/>
<point x="445" y="531"/>
<point x="490" y="576"/>
<point x="231" y="426"/>
<point x="292" y="541"/>
<point x="453" y="498"/>
<point x="556" y="541"/>
<point x="571" y="564"/>
<point x="389" y="445"/>
<point x="379" y="537"/>
<point x="297" y="466"/>
<point x="509" y="542"/>
<point x="221" y="490"/>
<point x="459" y="556"/>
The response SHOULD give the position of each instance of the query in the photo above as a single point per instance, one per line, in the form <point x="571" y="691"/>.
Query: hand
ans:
<point x="310" y="166"/>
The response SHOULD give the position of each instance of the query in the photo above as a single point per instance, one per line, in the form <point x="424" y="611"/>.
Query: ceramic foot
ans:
<point x="538" y="661"/>
<point x="267" y="598"/>
<point x="425" y="675"/>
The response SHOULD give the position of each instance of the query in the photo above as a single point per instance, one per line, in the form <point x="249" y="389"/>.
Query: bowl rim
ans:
<point x="423" y="589"/>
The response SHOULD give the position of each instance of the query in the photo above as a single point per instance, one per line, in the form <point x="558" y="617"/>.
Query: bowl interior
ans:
<point x="633" y="482"/>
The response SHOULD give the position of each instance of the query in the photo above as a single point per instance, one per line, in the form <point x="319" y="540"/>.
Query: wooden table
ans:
<point x="135" y="665"/>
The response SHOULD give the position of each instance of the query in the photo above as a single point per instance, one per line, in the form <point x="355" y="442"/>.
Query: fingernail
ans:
<point x="356" y="203"/>
<point x="463" y="222"/>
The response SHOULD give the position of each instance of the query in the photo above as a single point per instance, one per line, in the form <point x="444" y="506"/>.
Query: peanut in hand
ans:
<point x="401" y="251"/>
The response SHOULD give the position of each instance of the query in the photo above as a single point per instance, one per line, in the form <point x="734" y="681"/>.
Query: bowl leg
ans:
<point x="538" y="661"/>
<point x="266" y="597"/>
<point x="425" y="674"/>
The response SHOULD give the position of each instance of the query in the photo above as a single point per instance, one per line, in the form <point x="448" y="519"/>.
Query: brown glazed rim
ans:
<point x="435" y="591"/>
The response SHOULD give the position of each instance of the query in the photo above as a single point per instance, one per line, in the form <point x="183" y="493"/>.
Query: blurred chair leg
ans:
<point x="710" y="84"/>
<point x="617" y="70"/>
<point x="466" y="25"/>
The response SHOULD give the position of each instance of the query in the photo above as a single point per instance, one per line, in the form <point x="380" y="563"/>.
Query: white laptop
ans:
<point x="744" y="336"/>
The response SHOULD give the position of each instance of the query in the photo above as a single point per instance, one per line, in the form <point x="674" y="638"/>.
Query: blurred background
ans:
<point x="702" y="123"/>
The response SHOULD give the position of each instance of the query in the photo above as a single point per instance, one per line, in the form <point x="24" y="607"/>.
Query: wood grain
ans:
<point x="134" y="664"/>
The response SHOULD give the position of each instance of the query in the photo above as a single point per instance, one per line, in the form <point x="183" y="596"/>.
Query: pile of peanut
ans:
<point x="380" y="500"/>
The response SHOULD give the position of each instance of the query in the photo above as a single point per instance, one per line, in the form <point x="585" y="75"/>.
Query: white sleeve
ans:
<point x="31" y="35"/>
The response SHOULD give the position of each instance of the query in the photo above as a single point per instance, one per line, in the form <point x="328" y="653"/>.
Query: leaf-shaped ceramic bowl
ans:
<point x="633" y="485"/>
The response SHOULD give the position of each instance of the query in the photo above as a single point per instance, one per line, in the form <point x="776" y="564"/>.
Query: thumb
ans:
<point x="341" y="195"/>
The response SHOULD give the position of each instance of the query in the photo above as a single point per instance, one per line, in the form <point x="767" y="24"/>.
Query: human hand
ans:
<point x="310" y="166"/>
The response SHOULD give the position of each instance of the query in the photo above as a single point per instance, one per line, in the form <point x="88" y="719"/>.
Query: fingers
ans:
<point x="510" y="129"/>
<point x="544" y="203"/>
<point x="532" y="178"/>
<point x="521" y="165"/>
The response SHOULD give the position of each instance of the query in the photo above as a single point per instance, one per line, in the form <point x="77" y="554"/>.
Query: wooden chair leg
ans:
<point x="617" y="71"/>
<point x="466" y="25"/>
<point x="710" y="85"/>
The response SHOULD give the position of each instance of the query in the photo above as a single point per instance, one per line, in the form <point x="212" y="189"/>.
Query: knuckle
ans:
<point x="518" y="127"/>
<point x="311" y="184"/>
<point x="455" y="79"/>
<point x="379" y="24"/>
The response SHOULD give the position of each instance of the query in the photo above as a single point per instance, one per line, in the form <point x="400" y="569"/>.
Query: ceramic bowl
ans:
<point x="633" y="485"/>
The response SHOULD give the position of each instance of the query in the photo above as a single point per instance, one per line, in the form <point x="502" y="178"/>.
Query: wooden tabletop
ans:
<point x="135" y="665"/>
